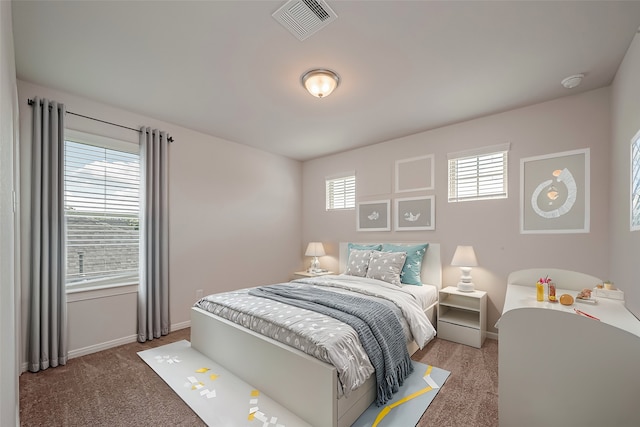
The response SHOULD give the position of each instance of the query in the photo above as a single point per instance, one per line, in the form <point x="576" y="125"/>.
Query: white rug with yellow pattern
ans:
<point x="410" y="402"/>
<point x="223" y="400"/>
<point x="218" y="397"/>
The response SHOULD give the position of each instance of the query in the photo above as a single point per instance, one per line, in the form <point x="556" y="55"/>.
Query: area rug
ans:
<point x="218" y="397"/>
<point x="221" y="399"/>
<point x="410" y="402"/>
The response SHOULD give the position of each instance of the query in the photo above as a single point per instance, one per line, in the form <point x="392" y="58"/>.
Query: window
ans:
<point x="341" y="192"/>
<point x="635" y="182"/>
<point x="101" y="205"/>
<point x="478" y="174"/>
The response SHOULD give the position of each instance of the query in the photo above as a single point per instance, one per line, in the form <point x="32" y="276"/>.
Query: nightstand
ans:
<point x="305" y="274"/>
<point x="462" y="316"/>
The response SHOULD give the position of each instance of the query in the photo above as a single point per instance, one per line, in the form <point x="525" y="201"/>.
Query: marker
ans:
<point x="585" y="314"/>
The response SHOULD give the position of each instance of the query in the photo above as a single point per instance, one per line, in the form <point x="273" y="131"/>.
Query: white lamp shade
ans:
<point x="315" y="249"/>
<point x="320" y="83"/>
<point x="464" y="257"/>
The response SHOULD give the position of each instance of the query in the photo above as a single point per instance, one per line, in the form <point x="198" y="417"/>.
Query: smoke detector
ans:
<point x="572" y="81"/>
<point x="304" y="18"/>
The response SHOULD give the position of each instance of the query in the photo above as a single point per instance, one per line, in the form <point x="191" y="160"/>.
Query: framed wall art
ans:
<point x="414" y="174"/>
<point x="415" y="213"/>
<point x="374" y="216"/>
<point x="554" y="193"/>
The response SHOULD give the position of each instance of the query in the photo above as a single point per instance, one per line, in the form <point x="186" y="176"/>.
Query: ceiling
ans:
<point x="229" y="69"/>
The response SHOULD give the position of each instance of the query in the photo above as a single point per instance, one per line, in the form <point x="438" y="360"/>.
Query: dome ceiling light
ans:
<point x="320" y="82"/>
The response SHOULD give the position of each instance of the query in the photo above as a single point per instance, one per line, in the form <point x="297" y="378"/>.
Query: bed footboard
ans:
<point x="299" y="382"/>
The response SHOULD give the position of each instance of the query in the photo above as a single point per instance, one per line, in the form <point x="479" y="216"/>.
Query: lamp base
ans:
<point x="465" y="284"/>
<point x="315" y="265"/>
<point x="466" y="287"/>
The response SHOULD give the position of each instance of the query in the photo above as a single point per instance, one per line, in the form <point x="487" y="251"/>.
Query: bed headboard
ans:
<point x="431" y="271"/>
<point x="563" y="279"/>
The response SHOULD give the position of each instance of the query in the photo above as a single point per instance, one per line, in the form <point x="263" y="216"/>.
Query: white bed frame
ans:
<point x="306" y="386"/>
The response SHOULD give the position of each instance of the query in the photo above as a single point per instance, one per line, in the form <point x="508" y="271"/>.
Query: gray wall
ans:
<point x="235" y="220"/>
<point x="491" y="226"/>
<point x="625" y="244"/>
<point x="9" y="291"/>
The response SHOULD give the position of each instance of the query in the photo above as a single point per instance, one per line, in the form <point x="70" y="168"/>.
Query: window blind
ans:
<point x="102" y="207"/>
<point x="635" y="183"/>
<point x="478" y="176"/>
<point x="341" y="193"/>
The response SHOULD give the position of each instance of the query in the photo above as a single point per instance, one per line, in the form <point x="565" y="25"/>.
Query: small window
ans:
<point x="478" y="174"/>
<point x="101" y="208"/>
<point x="341" y="192"/>
<point x="635" y="182"/>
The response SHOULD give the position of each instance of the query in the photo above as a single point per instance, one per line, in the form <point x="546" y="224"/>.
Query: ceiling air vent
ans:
<point x="304" y="17"/>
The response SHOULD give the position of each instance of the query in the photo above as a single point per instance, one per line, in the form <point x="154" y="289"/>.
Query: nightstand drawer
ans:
<point x="460" y="334"/>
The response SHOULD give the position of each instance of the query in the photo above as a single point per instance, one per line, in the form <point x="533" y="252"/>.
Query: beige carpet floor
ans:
<point x="116" y="388"/>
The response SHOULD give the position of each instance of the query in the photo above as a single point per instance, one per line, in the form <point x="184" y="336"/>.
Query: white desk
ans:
<point x="558" y="368"/>
<point x="612" y="312"/>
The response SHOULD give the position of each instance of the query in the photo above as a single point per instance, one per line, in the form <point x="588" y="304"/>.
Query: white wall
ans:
<point x="625" y="245"/>
<point x="235" y="219"/>
<point x="491" y="226"/>
<point x="9" y="405"/>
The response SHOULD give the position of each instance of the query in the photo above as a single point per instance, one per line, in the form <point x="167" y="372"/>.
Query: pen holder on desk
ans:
<point x="539" y="291"/>
<point x="552" y="292"/>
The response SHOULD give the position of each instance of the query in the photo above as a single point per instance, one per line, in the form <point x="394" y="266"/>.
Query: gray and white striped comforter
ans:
<point x="319" y="335"/>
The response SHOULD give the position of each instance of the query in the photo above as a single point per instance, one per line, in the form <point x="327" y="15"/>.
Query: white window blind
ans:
<point x="635" y="183"/>
<point x="341" y="192"/>
<point x="101" y="200"/>
<point x="478" y="174"/>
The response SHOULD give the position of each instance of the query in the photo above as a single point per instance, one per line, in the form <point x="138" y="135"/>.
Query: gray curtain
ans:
<point x="48" y="299"/>
<point x="153" y="293"/>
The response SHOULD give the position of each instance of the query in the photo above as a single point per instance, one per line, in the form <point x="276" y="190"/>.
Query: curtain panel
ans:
<point x="153" y="292"/>
<point x="47" y="321"/>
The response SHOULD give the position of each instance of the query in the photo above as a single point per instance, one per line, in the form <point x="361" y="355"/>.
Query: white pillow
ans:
<point x="386" y="266"/>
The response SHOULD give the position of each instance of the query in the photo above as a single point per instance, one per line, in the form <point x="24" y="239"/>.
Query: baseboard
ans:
<point x="492" y="336"/>
<point x="120" y="341"/>
<point x="102" y="346"/>
<point x="181" y="325"/>
<point x="109" y="344"/>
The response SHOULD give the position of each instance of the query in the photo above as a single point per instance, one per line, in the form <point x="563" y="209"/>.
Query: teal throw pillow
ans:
<point x="415" y="253"/>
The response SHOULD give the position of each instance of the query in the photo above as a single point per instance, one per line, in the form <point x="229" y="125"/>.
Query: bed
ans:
<point x="557" y="367"/>
<point x="305" y="385"/>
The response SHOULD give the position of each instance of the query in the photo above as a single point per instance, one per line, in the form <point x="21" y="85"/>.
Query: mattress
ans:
<point x="321" y="336"/>
<point x="426" y="295"/>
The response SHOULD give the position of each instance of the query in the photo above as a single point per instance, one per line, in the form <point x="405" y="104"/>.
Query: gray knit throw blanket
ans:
<point x="377" y="326"/>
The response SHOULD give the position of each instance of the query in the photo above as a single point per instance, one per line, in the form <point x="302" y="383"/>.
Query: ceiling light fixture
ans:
<point x="572" y="81"/>
<point x="320" y="82"/>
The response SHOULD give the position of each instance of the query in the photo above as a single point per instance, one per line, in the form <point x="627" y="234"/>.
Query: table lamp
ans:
<point x="465" y="258"/>
<point x="314" y="249"/>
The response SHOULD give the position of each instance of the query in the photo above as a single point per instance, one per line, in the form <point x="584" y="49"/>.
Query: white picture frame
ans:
<point x="374" y="216"/>
<point x="555" y="193"/>
<point x="415" y="213"/>
<point x="414" y="174"/>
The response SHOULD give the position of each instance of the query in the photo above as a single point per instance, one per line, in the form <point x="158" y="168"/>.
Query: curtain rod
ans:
<point x="30" y="101"/>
